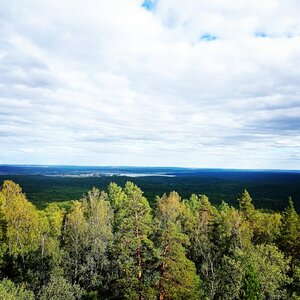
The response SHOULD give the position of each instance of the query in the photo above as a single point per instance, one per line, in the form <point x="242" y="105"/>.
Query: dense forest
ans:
<point x="268" y="189"/>
<point x="114" y="245"/>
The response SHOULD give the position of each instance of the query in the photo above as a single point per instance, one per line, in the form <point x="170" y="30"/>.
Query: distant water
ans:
<point x="83" y="172"/>
<point x="83" y="175"/>
<point x="95" y="171"/>
<point x="146" y="174"/>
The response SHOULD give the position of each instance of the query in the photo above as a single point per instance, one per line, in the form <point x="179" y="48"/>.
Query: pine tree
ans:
<point x="290" y="230"/>
<point x="246" y="205"/>
<point x="133" y="247"/>
<point x="178" y="278"/>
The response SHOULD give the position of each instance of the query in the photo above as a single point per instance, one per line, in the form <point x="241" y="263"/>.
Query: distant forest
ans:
<point x="269" y="190"/>
<point x="112" y="244"/>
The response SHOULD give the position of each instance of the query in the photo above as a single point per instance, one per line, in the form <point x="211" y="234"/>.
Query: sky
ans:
<point x="210" y="83"/>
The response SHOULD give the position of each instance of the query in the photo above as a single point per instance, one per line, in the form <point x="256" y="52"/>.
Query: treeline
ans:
<point x="113" y="245"/>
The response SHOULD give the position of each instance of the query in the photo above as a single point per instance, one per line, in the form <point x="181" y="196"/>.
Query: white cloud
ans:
<point x="110" y="83"/>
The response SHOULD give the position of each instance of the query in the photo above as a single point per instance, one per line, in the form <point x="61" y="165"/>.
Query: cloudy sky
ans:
<point x="210" y="83"/>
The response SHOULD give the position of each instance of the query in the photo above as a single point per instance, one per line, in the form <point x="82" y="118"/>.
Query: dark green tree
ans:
<point x="290" y="231"/>
<point x="178" y="278"/>
<point x="133" y="248"/>
<point x="246" y="206"/>
<point x="251" y="289"/>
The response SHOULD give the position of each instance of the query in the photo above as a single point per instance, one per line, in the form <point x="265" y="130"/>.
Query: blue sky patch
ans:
<point x="149" y="4"/>
<point x="208" y="37"/>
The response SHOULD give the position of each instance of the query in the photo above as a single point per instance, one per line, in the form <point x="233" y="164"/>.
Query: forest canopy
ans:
<point x="113" y="245"/>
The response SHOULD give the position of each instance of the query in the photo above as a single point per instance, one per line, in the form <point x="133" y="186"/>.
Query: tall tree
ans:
<point x="202" y="250"/>
<point x="117" y="196"/>
<point x="99" y="218"/>
<point x="24" y="229"/>
<point x="48" y="257"/>
<point x="87" y="240"/>
<point x="290" y="231"/>
<point x="3" y="240"/>
<point x="178" y="278"/>
<point x="22" y="221"/>
<point x="246" y="205"/>
<point x="75" y="241"/>
<point x="133" y="248"/>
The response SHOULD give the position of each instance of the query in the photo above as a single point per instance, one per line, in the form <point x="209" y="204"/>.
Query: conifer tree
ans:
<point x="290" y="231"/>
<point x="133" y="247"/>
<point x="289" y="243"/>
<point x="178" y="278"/>
<point x="245" y="204"/>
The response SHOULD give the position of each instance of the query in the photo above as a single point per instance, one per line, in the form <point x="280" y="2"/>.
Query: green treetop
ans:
<point x="245" y="204"/>
<point x="178" y="278"/>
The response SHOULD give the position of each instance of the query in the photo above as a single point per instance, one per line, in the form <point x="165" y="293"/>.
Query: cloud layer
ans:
<point x="178" y="83"/>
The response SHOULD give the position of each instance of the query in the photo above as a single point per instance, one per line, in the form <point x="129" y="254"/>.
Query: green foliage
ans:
<point x="178" y="278"/>
<point x="10" y="291"/>
<point x="22" y="221"/>
<point x="251" y="289"/>
<point x="133" y="248"/>
<point x="269" y="190"/>
<point x="114" y="246"/>
<point x="271" y="269"/>
<point x="99" y="233"/>
<point x="87" y="237"/>
<point x="75" y="240"/>
<point x="296" y="282"/>
<point x="58" y="288"/>
<point x="233" y="231"/>
<point x="202" y="250"/>
<point x="3" y="224"/>
<point x="290" y="231"/>
<point x="245" y="204"/>
<point x="266" y="227"/>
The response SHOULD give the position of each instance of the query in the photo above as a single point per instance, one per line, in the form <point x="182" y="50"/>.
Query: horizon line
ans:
<point x="153" y="167"/>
